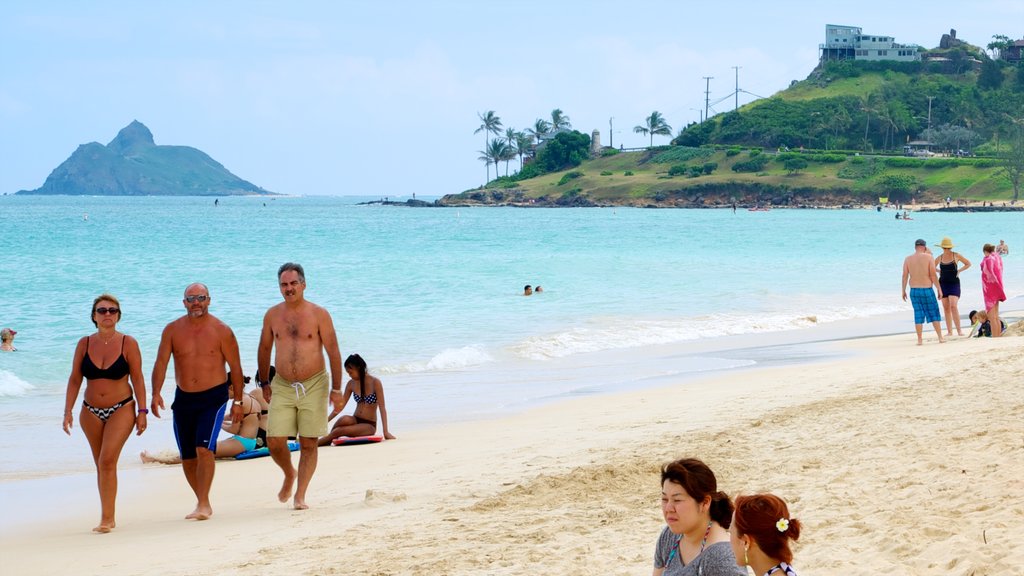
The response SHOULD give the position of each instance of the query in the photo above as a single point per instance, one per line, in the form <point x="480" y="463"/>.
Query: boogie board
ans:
<point x="353" y="440"/>
<point x="260" y="452"/>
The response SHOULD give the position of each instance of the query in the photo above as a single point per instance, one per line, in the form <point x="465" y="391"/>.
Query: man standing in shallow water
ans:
<point x="919" y="269"/>
<point x="298" y="394"/>
<point x="201" y="345"/>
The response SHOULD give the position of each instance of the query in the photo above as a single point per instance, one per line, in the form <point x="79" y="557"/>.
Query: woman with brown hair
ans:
<point x="107" y="360"/>
<point x="760" y="534"/>
<point x="695" y="540"/>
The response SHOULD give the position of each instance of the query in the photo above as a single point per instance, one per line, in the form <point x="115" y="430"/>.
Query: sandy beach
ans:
<point x="899" y="459"/>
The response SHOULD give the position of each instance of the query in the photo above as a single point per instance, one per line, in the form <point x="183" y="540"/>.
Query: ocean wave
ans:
<point x="11" y="385"/>
<point x="618" y="333"/>
<point x="447" y="359"/>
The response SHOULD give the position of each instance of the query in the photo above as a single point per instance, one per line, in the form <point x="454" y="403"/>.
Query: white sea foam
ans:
<point x="11" y="385"/>
<point x="616" y="333"/>
<point x="447" y="359"/>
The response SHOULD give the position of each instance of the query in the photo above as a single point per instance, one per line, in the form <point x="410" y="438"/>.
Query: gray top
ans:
<point x="716" y="560"/>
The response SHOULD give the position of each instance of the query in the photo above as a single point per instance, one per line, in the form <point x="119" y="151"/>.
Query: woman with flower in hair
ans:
<point x="760" y="534"/>
<point x="695" y="540"/>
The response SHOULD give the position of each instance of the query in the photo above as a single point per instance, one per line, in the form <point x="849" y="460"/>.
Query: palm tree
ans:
<point x="523" y="145"/>
<point x="541" y="128"/>
<point x="485" y="157"/>
<point x="559" y="121"/>
<point x="490" y="123"/>
<point x="497" y="150"/>
<point x="655" y="124"/>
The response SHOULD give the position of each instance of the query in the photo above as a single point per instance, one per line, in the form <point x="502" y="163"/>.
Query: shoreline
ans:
<point x="893" y="455"/>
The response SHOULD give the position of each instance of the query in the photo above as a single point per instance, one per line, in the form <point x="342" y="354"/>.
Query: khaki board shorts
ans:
<point x="299" y="408"/>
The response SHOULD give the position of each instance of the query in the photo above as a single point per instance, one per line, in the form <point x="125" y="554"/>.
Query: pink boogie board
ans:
<point x="353" y="440"/>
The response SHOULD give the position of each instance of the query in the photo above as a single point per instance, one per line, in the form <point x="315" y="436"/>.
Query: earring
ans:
<point x="746" y="561"/>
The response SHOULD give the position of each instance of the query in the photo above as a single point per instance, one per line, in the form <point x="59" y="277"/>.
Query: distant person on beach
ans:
<point x="7" y="340"/>
<point x="368" y="392"/>
<point x="538" y="289"/>
<point x="1002" y="249"/>
<point x="981" y="326"/>
<point x="201" y="346"/>
<point x="301" y="331"/>
<point x="949" y="267"/>
<point x="109" y="408"/>
<point x="919" y="270"/>
<point x="760" y="534"/>
<point x="992" y="286"/>
<point x="244" y="433"/>
<point x="527" y="290"/>
<point x="696" y="538"/>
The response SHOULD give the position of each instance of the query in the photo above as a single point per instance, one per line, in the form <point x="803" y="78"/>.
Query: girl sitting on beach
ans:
<point x="760" y="534"/>
<point x="696" y="540"/>
<point x="368" y="393"/>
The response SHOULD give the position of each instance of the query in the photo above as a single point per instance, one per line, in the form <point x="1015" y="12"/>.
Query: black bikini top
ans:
<point x="116" y="371"/>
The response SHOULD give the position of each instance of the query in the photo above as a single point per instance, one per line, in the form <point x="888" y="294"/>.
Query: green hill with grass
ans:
<point x="852" y="132"/>
<point x="133" y="165"/>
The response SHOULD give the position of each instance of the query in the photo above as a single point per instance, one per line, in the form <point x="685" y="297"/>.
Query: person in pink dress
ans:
<point x="992" y="286"/>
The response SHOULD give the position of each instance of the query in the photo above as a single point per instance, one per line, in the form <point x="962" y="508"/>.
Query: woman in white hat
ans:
<point x="949" y="267"/>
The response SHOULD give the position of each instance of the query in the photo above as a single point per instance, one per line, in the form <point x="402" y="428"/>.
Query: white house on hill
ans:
<point x="850" y="43"/>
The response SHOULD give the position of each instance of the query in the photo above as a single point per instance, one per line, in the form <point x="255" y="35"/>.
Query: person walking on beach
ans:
<point x="919" y="270"/>
<point x="201" y="345"/>
<point x="368" y="392"/>
<point x="992" y="286"/>
<point x="298" y="394"/>
<point x="760" y="534"/>
<point x="108" y="409"/>
<point x="948" y="264"/>
<point x="695" y="539"/>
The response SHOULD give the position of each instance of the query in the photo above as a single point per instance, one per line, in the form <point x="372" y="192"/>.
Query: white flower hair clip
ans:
<point x="782" y="525"/>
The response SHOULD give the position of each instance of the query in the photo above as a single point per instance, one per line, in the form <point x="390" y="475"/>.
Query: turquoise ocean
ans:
<point x="431" y="297"/>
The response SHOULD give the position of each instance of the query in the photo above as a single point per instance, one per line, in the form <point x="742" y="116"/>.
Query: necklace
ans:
<point x="108" y="341"/>
<point x="679" y="540"/>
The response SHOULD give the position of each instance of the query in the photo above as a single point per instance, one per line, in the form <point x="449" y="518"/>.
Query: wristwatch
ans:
<point x="236" y="402"/>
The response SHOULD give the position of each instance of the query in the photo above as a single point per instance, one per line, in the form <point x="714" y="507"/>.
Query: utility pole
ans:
<point x="736" y="106"/>
<point x="611" y="137"/>
<point x="930" y="98"/>
<point x="707" y="95"/>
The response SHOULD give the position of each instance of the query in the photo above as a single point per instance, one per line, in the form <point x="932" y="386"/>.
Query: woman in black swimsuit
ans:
<point x="368" y="392"/>
<point x="109" y="410"/>
<point x="948" y="264"/>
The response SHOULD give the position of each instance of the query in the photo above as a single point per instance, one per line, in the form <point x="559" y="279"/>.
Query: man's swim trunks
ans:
<point x="197" y="418"/>
<point x="299" y="408"/>
<point x="926" y="307"/>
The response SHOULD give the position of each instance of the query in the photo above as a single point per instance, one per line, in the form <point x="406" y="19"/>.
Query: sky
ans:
<point x="382" y="97"/>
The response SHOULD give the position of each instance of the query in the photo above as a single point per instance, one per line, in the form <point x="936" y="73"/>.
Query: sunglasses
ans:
<point x="105" y="311"/>
<point x="191" y="299"/>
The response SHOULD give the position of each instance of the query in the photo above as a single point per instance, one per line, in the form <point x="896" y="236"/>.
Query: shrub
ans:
<point x="732" y="152"/>
<point x="570" y="176"/>
<point x="857" y="160"/>
<point x="755" y="152"/>
<point x="695" y="171"/>
<point x="755" y="164"/>
<point x="900" y="162"/>
<point x="677" y="170"/>
<point x="605" y="152"/>
<point x="709" y="167"/>
<point x="627" y="173"/>
<point x="606" y="173"/>
<point x="795" y="165"/>
<point x="678" y="154"/>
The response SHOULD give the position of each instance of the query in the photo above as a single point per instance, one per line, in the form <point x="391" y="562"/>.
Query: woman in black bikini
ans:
<point x="108" y="412"/>
<point x="368" y="392"/>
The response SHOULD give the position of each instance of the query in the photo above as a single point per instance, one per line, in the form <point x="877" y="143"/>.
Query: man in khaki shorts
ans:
<point x="301" y="331"/>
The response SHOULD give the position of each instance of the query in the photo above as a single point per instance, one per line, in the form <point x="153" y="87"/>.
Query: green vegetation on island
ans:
<point x="851" y="133"/>
<point x="133" y="165"/>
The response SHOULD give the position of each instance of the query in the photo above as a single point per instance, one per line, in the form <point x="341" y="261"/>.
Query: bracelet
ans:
<point x="338" y="390"/>
<point x="143" y="410"/>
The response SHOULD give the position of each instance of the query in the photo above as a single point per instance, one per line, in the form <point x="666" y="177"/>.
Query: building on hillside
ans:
<point x="1014" y="52"/>
<point x="850" y="43"/>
